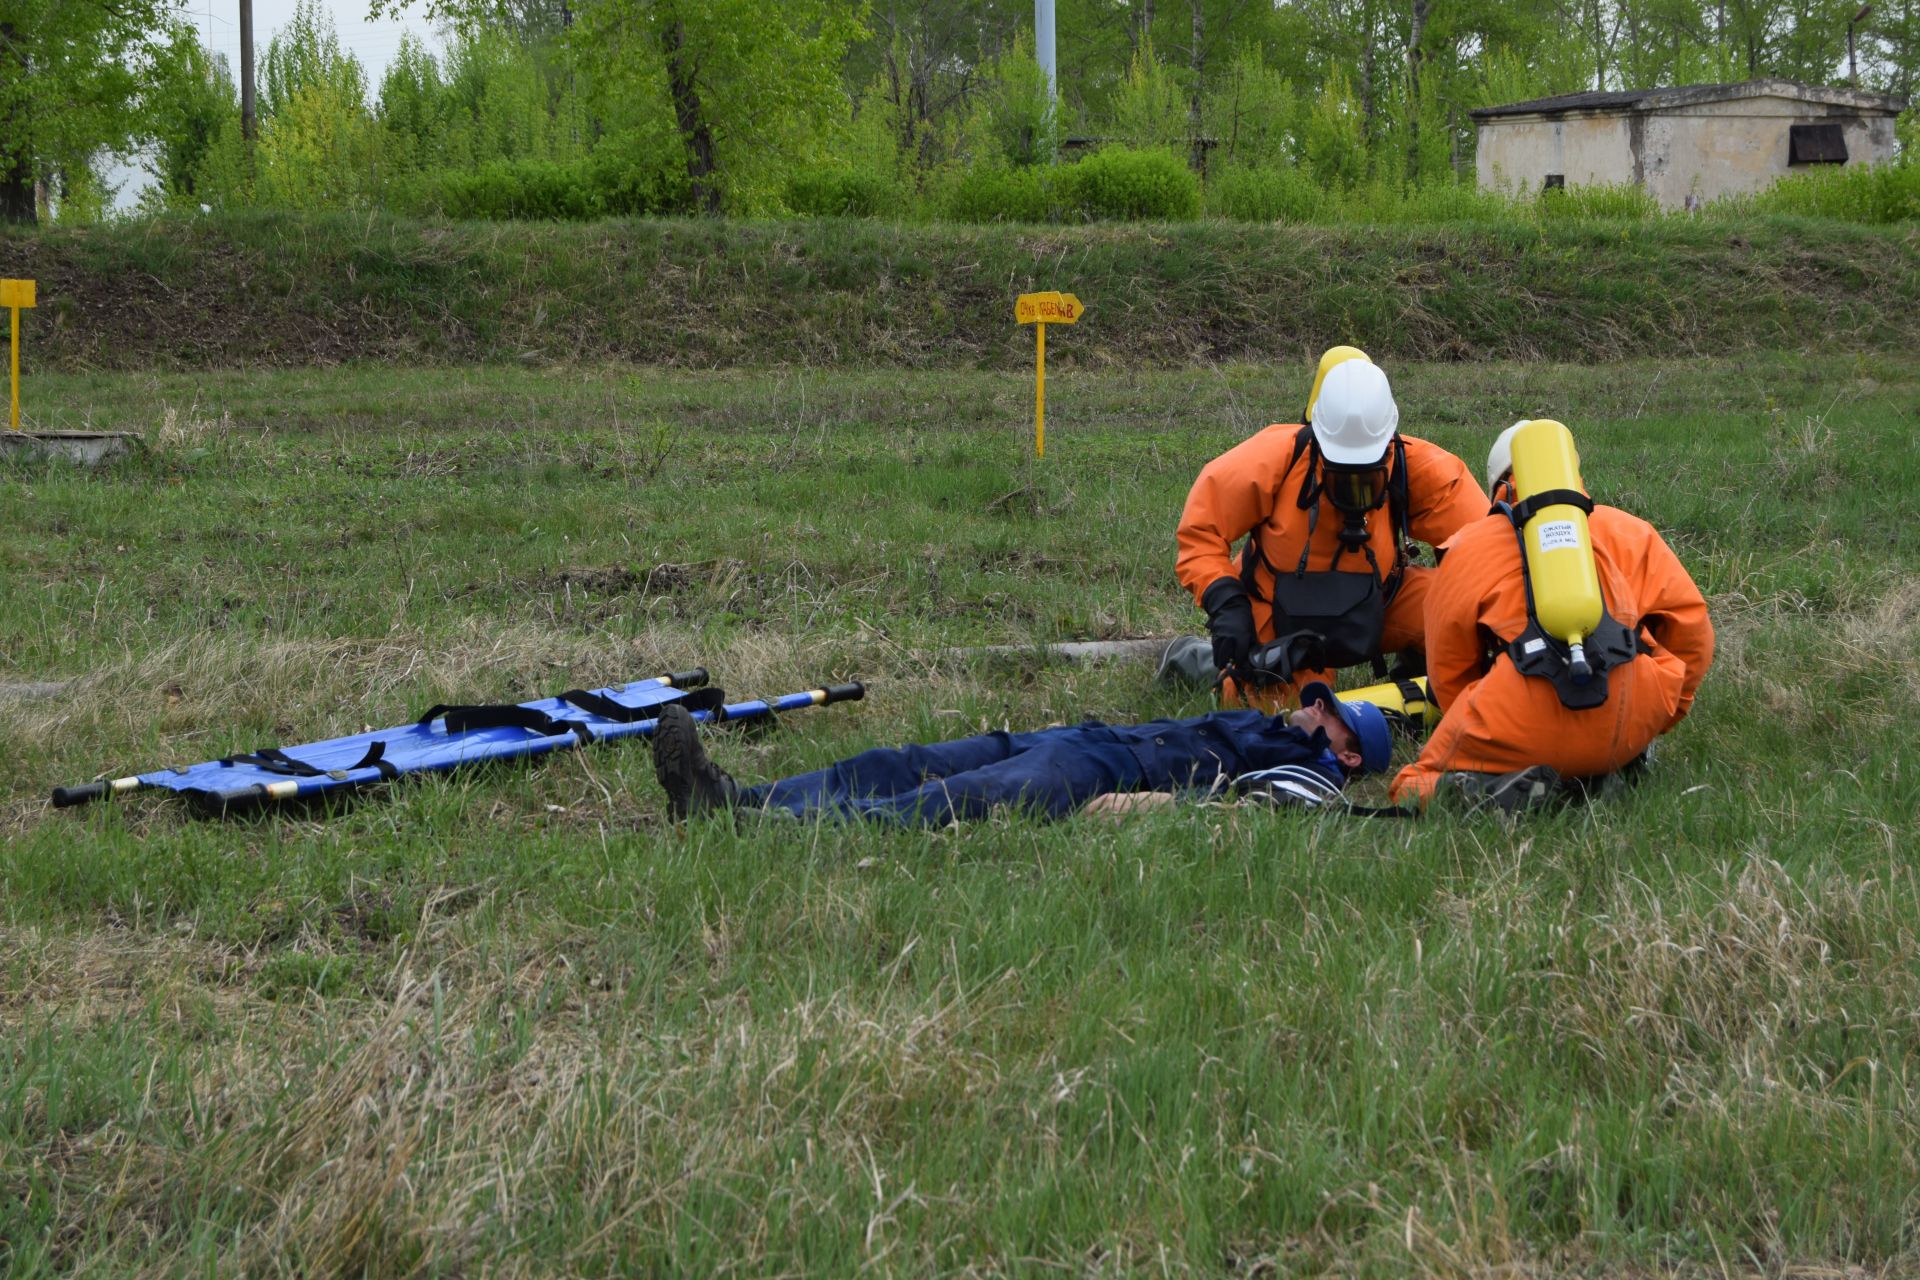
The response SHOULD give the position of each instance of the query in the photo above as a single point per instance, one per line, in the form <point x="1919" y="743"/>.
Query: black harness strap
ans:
<point x="274" y="760"/>
<point x="505" y="715"/>
<point x="1525" y="511"/>
<point x="606" y="708"/>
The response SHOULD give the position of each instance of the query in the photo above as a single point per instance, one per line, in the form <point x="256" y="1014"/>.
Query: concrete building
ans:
<point x="1696" y="142"/>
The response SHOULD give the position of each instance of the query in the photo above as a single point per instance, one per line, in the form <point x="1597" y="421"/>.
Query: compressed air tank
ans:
<point x="1559" y="549"/>
<point x="1405" y="703"/>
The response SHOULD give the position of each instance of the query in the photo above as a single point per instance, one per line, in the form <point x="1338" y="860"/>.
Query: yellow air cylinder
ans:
<point x="1414" y="714"/>
<point x="1559" y="550"/>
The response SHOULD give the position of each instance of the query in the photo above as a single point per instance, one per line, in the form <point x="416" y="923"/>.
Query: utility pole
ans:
<point x="1043" y="51"/>
<point x="1853" y="66"/>
<point x="247" y="125"/>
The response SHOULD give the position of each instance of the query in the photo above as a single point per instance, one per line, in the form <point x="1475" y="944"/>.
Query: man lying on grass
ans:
<point x="1303" y="760"/>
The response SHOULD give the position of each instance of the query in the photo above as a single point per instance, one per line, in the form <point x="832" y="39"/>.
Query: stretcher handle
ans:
<point x="692" y="679"/>
<point x="852" y="691"/>
<point x="68" y="797"/>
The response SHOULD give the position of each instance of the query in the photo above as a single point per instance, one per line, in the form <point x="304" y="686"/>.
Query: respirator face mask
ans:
<point x="1354" y="491"/>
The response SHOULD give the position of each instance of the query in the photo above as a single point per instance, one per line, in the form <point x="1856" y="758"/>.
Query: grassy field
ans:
<point x="511" y="1022"/>
<point x="283" y="289"/>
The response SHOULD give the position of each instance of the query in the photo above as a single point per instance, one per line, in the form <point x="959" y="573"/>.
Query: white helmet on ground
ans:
<point x="1355" y="416"/>
<point x="1500" y="458"/>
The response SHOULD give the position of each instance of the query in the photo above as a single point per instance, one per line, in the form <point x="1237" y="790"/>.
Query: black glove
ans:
<point x="1229" y="623"/>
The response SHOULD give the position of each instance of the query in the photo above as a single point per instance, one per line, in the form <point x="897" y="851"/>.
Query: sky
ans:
<point x="373" y="42"/>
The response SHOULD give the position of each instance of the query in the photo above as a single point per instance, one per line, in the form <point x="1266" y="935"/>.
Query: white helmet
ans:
<point x="1355" y="417"/>
<point x="1500" y="458"/>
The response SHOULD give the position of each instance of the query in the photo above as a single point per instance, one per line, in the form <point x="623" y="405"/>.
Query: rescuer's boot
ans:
<point x="1533" y="787"/>
<point x="693" y="783"/>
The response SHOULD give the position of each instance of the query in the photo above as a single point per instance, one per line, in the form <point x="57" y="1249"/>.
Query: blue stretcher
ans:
<point x="447" y="737"/>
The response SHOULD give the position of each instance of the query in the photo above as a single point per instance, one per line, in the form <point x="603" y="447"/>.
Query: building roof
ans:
<point x="1616" y="101"/>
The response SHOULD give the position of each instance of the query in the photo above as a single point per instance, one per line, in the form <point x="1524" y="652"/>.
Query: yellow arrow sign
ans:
<point x="15" y="295"/>
<point x="1047" y="308"/>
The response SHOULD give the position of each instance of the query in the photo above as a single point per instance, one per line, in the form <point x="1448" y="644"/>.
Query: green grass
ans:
<point x="281" y="289"/>
<point x="512" y="1022"/>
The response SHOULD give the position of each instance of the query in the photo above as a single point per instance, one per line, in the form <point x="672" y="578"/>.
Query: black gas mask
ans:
<point x="1354" y="490"/>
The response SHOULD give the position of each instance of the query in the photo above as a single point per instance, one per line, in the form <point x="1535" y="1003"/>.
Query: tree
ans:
<point x="747" y="85"/>
<point x="72" y="73"/>
<point x="191" y="104"/>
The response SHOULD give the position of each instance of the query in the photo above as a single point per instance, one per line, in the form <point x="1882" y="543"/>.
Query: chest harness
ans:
<point x="1331" y="617"/>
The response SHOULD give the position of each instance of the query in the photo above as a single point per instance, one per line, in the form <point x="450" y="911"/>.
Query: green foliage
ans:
<point x="192" y="103"/>
<point x="1252" y="113"/>
<point x="414" y="108"/>
<point x="503" y="99"/>
<point x="1122" y="184"/>
<point x="841" y="192"/>
<point x="995" y="193"/>
<point x="1851" y="193"/>
<point x="578" y="190"/>
<point x="75" y="80"/>
<point x="1023" y="129"/>
<point x="1150" y="109"/>
<point x="1622" y="201"/>
<point x="1277" y="193"/>
<point x="1333" y="141"/>
<point x="319" y="147"/>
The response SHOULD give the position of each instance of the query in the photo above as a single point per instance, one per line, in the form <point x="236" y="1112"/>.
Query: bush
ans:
<point x="1279" y="194"/>
<point x="1122" y="184"/>
<point x="540" y="189"/>
<point x="1855" y="193"/>
<point x="843" y="193"/>
<point x="994" y="194"/>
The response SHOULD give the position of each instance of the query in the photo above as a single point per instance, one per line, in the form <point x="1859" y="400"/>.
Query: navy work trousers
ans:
<point x="1051" y="771"/>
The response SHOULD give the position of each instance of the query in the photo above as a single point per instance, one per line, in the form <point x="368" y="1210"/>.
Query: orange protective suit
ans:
<point x="1493" y="718"/>
<point x="1254" y="488"/>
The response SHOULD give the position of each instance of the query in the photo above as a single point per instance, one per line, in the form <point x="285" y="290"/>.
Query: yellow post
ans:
<point x="1039" y="391"/>
<point x="1040" y="310"/>
<point x="15" y="294"/>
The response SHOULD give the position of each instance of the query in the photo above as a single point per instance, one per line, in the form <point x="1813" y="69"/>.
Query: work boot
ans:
<point x="1188" y="660"/>
<point x="693" y="783"/>
<point x="1523" y="790"/>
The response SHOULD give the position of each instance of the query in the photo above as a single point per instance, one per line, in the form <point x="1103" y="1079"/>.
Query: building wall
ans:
<point x="1709" y="150"/>
<point x="1517" y="154"/>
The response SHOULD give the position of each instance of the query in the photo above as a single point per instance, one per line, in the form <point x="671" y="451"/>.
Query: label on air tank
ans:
<point x="1559" y="535"/>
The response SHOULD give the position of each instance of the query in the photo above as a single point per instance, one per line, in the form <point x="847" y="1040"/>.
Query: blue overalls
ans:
<point x="1051" y="772"/>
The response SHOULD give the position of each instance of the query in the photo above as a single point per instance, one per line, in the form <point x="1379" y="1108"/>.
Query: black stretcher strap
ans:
<point x="606" y="708"/>
<point x="274" y="760"/>
<point x="504" y="715"/>
<point x="1525" y="511"/>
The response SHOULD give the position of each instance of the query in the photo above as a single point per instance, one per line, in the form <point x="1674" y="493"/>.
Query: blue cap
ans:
<point x="1368" y="722"/>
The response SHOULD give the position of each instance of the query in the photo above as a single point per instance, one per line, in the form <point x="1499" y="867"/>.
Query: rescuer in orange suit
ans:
<point x="1327" y="510"/>
<point x="1504" y="736"/>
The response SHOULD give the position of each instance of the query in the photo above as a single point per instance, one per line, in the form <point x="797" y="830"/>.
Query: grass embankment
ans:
<point x="511" y="1022"/>
<point x="290" y="290"/>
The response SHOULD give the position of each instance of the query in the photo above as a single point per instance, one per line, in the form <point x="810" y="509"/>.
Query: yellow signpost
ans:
<point x="1041" y="310"/>
<point x="14" y="295"/>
